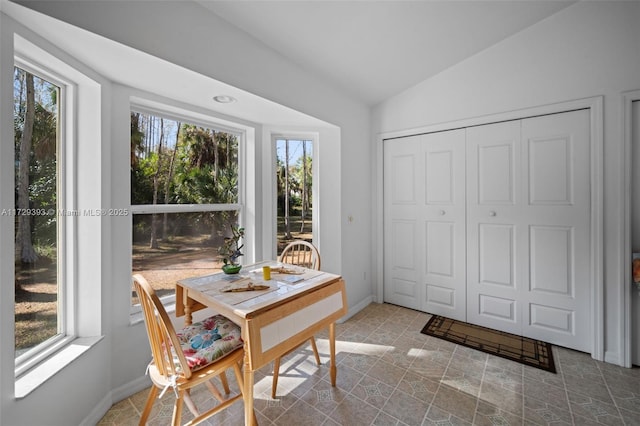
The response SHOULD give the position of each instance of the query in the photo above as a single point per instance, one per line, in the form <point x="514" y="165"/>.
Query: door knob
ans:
<point x="492" y="213"/>
<point x="442" y="212"/>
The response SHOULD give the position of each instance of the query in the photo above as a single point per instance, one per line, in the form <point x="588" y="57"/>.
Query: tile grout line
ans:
<point x="444" y="373"/>
<point x="484" y="372"/>
<point x="396" y="386"/>
<point x="524" y="397"/>
<point x="615" y="403"/>
<point x="566" y="390"/>
<point x="366" y="375"/>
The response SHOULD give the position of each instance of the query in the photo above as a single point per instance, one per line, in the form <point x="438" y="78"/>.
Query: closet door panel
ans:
<point x="494" y="282"/>
<point x="402" y="223"/>
<point x="496" y="255"/>
<point x="424" y="208"/>
<point x="495" y="167"/>
<point x="556" y="186"/>
<point x="444" y="223"/>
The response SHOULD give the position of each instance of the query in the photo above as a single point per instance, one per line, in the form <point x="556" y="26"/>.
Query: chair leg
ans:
<point x="190" y="405"/>
<point x="177" y="409"/>
<point x="214" y="390"/>
<point x="315" y="349"/>
<point x="276" y="370"/>
<point x="225" y="383"/>
<point x="148" y="405"/>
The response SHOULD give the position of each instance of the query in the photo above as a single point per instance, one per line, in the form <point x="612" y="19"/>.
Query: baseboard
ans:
<point x="116" y="395"/>
<point x="125" y="391"/>
<point x="612" y="358"/>
<point x="98" y="412"/>
<point x="357" y="308"/>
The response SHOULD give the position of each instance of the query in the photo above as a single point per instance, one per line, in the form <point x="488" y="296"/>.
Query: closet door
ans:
<point x="495" y="230"/>
<point x="528" y="225"/>
<point x="556" y="190"/>
<point x="424" y="222"/>
<point x="403" y="173"/>
<point x="444" y="234"/>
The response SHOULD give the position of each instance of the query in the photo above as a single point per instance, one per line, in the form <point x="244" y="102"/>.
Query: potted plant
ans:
<point x="231" y="250"/>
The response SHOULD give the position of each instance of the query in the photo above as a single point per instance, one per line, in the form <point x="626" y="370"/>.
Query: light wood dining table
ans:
<point x="273" y="320"/>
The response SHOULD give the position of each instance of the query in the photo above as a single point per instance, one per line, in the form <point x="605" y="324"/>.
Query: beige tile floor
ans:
<point x="391" y="374"/>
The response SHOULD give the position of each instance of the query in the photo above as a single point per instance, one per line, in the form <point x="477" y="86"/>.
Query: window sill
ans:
<point x="32" y="379"/>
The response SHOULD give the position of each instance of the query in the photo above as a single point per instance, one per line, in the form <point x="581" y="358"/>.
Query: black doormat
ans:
<point x="534" y="353"/>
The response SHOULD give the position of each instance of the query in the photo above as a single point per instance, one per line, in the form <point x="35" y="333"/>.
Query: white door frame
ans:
<point x="625" y="345"/>
<point x="595" y="105"/>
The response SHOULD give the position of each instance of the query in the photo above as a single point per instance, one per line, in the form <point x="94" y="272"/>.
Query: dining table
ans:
<point x="276" y="313"/>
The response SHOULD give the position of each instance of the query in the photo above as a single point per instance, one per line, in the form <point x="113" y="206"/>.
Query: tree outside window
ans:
<point x="38" y="290"/>
<point x="294" y="165"/>
<point x="184" y="196"/>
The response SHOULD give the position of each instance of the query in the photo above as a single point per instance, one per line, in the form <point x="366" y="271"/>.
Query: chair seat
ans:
<point x="206" y="341"/>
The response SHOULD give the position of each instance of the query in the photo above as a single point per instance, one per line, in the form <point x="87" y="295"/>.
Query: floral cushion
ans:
<point x="205" y="341"/>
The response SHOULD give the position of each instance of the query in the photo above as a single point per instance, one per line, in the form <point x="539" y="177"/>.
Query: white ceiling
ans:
<point x="370" y="49"/>
<point x="376" y="49"/>
<point x="130" y="67"/>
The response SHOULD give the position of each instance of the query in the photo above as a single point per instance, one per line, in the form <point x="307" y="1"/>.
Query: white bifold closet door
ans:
<point x="424" y="227"/>
<point x="528" y="228"/>
<point x="491" y="225"/>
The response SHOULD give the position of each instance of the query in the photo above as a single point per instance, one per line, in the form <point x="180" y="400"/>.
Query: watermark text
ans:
<point x="64" y="212"/>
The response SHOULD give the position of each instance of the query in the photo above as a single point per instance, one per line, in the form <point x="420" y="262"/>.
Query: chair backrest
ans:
<point x="301" y="253"/>
<point x="165" y="346"/>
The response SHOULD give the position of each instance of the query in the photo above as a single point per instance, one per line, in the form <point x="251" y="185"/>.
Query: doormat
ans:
<point x="534" y="353"/>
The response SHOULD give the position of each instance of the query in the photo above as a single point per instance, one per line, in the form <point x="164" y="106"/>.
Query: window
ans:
<point x="65" y="189"/>
<point x="185" y="197"/>
<point x="295" y="180"/>
<point x="40" y="222"/>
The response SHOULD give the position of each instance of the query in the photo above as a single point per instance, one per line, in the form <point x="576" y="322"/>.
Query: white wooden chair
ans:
<point x="299" y="253"/>
<point x="192" y="356"/>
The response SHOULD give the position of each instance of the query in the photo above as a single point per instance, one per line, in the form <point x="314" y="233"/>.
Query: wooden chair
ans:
<point x="299" y="253"/>
<point x="194" y="355"/>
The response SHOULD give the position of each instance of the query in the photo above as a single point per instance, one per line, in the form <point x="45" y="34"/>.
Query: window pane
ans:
<point x="186" y="246"/>
<point x="181" y="163"/>
<point x="36" y="118"/>
<point x="294" y="177"/>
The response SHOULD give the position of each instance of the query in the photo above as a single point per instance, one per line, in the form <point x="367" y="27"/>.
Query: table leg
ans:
<point x="188" y="317"/>
<point x="332" y="351"/>
<point x="249" y="417"/>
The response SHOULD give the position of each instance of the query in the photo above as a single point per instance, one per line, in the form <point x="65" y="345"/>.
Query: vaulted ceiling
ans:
<point x="376" y="49"/>
<point x="369" y="49"/>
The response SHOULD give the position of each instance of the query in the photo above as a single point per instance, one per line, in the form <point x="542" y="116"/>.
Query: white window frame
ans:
<point x="83" y="274"/>
<point x="192" y="118"/>
<point x="65" y="224"/>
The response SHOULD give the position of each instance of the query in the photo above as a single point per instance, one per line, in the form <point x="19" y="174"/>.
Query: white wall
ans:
<point x="179" y="32"/>
<point x="83" y="385"/>
<point x="589" y="49"/>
